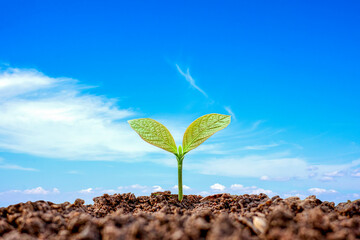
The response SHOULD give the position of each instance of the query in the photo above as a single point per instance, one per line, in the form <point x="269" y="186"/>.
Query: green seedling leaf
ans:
<point x="154" y="133"/>
<point x="158" y="135"/>
<point x="203" y="128"/>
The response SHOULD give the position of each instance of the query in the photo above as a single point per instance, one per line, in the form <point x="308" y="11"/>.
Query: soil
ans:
<point x="162" y="216"/>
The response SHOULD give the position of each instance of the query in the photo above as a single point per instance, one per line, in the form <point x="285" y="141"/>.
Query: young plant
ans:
<point x="198" y="132"/>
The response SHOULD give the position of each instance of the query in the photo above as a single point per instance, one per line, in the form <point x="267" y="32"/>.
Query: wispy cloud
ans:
<point x="40" y="190"/>
<point x="34" y="191"/>
<point x="239" y="189"/>
<point x="321" y="191"/>
<point x="330" y="176"/>
<point x="16" y="167"/>
<point x="228" y="109"/>
<point x="4" y="165"/>
<point x="271" y="166"/>
<point x="330" y="172"/>
<point x="190" y="79"/>
<point x="256" y="124"/>
<point x="261" y="147"/>
<point x="326" y="179"/>
<point x="52" y="117"/>
<point x="355" y="173"/>
<point x="334" y="174"/>
<point x="276" y="179"/>
<point x="279" y="165"/>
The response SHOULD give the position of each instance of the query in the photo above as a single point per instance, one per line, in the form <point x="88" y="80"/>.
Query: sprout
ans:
<point x="198" y="132"/>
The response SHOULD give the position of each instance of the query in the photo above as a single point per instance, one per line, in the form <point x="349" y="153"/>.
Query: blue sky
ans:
<point x="73" y="72"/>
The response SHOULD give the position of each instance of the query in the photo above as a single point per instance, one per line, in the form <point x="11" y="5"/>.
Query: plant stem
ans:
<point x="180" y="186"/>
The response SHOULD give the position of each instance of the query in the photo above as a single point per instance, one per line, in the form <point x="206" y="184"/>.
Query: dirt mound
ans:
<point x="162" y="216"/>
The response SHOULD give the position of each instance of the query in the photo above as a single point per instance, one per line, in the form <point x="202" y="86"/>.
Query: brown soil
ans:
<point x="161" y="216"/>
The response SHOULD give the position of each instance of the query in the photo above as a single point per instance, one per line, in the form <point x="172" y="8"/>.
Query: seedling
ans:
<point x="198" y="132"/>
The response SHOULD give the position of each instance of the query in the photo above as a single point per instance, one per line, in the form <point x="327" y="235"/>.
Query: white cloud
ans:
<point x="86" y="191"/>
<point x="189" y="78"/>
<point x="184" y="187"/>
<point x="52" y="117"/>
<point x="134" y="187"/>
<point x="14" y="82"/>
<point x="264" y="178"/>
<point x="237" y="186"/>
<point x="355" y="173"/>
<point x="321" y="191"/>
<point x="217" y="187"/>
<point x="241" y="189"/>
<point x="137" y="186"/>
<point x="39" y="191"/>
<point x="157" y="189"/>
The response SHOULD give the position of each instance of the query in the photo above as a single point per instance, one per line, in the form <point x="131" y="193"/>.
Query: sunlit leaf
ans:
<point x="154" y="133"/>
<point x="203" y="128"/>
